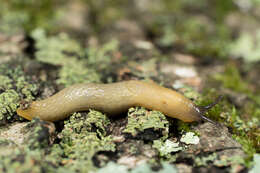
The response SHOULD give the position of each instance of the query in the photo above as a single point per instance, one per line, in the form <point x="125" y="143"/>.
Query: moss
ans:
<point x="245" y="129"/>
<point x="84" y="136"/>
<point x="139" y="120"/>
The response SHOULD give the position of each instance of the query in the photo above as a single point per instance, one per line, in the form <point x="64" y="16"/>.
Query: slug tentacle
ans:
<point x="204" y="109"/>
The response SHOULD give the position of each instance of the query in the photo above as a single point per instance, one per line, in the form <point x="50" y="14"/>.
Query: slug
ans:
<point x="114" y="99"/>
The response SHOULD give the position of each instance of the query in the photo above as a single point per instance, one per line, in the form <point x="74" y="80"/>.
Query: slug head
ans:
<point x="24" y="113"/>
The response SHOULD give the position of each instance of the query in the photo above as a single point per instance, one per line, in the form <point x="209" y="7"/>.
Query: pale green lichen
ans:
<point x="139" y="119"/>
<point x="76" y="71"/>
<point x="55" y="50"/>
<point x="256" y="167"/>
<point x="22" y="158"/>
<point x="204" y="161"/>
<point x="82" y="137"/>
<point x="5" y="82"/>
<point x="9" y="101"/>
<point x="167" y="147"/>
<point x="65" y="52"/>
<point x="101" y="55"/>
<point x="14" y="87"/>
<point x="247" y="46"/>
<point x="38" y="137"/>
<point x="227" y="161"/>
<point x="190" y="138"/>
<point x="112" y="167"/>
<point x="77" y="65"/>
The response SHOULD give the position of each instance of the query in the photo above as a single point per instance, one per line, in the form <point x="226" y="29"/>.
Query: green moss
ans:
<point x="139" y="119"/>
<point x="246" y="130"/>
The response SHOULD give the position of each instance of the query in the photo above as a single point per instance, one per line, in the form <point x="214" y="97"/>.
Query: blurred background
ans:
<point x="202" y="48"/>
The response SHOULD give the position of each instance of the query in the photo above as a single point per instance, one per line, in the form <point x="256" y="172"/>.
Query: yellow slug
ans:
<point x="113" y="99"/>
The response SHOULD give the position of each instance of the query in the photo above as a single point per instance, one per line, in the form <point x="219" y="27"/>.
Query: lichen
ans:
<point x="6" y="82"/>
<point x="247" y="46"/>
<point x="25" y="161"/>
<point x="8" y="104"/>
<point x="77" y="65"/>
<point x="84" y="136"/>
<point x="204" y="161"/>
<point x="167" y="147"/>
<point x="14" y="87"/>
<point x="190" y="138"/>
<point x="55" y="50"/>
<point x="256" y="167"/>
<point x="112" y="167"/>
<point x="38" y="134"/>
<point x="139" y="120"/>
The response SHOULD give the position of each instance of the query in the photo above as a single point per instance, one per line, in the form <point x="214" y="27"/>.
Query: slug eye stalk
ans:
<point x="204" y="109"/>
